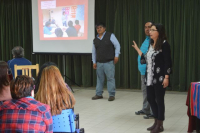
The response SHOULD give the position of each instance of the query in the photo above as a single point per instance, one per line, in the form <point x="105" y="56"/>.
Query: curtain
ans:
<point x="126" y="20"/>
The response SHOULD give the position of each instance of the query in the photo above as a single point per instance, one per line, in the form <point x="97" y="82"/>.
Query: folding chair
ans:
<point x="65" y="122"/>
<point x="26" y="69"/>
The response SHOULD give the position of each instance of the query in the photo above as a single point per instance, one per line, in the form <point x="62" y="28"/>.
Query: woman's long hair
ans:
<point x="4" y="80"/>
<point x="37" y="82"/>
<point x="161" y="37"/>
<point x="53" y="91"/>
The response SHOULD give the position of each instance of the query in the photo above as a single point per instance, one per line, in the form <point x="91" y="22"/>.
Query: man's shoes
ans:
<point x="97" y="97"/>
<point x="111" y="98"/>
<point x="149" y="116"/>
<point x="140" y="112"/>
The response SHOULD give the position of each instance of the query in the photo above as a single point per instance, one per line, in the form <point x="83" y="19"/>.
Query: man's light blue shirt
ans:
<point x="143" y="48"/>
<point x="115" y="42"/>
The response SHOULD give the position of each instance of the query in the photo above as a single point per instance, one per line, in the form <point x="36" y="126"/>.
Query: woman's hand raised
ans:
<point x="136" y="48"/>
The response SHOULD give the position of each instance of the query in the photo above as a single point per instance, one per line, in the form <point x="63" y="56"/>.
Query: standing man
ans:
<point x="105" y="54"/>
<point x="142" y="68"/>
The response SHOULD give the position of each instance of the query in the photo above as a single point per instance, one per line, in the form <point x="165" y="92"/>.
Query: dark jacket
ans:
<point x="161" y="64"/>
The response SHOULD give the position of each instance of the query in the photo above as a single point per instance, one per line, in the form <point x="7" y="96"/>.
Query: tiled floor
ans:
<point x="102" y="116"/>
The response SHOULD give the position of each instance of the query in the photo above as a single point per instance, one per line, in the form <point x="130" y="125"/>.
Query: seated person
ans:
<point x="47" y="28"/>
<point x="59" y="32"/>
<point x="23" y="113"/>
<point x="18" y="55"/>
<point x="4" y="83"/>
<point x="37" y="82"/>
<point x="71" y="31"/>
<point x="77" y="26"/>
<point x="52" y="84"/>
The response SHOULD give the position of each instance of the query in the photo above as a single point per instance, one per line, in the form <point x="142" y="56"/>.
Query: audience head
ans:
<point x="53" y="91"/>
<point x="37" y="83"/>
<point x="147" y="27"/>
<point x="63" y="13"/>
<point x="4" y="80"/>
<point x="21" y="87"/>
<point x="70" y="23"/>
<point x="18" y="52"/>
<point x="76" y="22"/>
<point x="157" y="33"/>
<point x="48" y="24"/>
<point x="59" y="32"/>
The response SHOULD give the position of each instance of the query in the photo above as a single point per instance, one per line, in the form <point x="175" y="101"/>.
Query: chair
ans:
<point x="76" y="118"/>
<point x="26" y="69"/>
<point x="65" y="122"/>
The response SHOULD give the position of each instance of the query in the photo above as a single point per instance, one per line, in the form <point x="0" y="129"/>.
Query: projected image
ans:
<point x="62" y="19"/>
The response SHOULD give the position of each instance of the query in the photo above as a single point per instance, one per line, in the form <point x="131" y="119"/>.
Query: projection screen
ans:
<point x="63" y="26"/>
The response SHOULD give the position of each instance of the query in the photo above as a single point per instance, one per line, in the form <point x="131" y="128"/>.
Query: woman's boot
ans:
<point x="159" y="127"/>
<point x="153" y="126"/>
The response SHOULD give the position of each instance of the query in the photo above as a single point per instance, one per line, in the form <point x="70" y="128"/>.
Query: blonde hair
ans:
<point x="53" y="91"/>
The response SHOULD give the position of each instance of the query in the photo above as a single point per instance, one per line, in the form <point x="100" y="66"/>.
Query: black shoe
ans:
<point x="149" y="116"/>
<point x="140" y="112"/>
<point x="97" y="97"/>
<point x="111" y="98"/>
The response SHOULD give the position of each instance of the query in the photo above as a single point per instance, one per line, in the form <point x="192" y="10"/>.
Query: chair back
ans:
<point x="64" y="122"/>
<point x="26" y="69"/>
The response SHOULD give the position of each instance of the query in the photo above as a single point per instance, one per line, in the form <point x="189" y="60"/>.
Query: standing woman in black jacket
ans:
<point x="158" y="60"/>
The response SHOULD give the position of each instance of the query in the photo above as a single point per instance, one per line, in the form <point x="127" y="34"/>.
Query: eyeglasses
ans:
<point x="147" y="27"/>
<point x="153" y="30"/>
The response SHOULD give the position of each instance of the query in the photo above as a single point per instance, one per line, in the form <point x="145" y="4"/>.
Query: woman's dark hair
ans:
<point x="161" y="37"/>
<point x="37" y="82"/>
<point x="21" y="87"/>
<point x="4" y="80"/>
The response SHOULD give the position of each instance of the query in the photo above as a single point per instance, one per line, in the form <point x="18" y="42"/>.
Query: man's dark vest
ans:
<point x="105" y="50"/>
